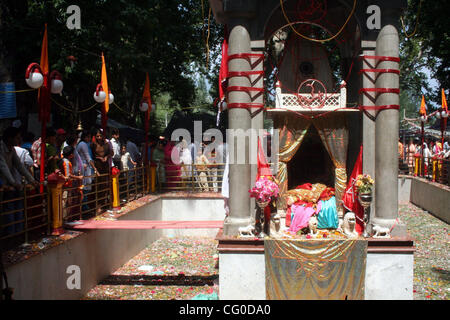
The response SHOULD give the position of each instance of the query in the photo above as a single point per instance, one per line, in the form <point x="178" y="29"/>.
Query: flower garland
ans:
<point x="264" y="190"/>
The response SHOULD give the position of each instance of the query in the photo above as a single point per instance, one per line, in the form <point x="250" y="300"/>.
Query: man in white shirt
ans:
<point x="116" y="147"/>
<point x="25" y="159"/>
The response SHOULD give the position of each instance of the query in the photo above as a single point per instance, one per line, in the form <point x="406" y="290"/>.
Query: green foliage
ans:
<point x="163" y="38"/>
<point x="427" y="48"/>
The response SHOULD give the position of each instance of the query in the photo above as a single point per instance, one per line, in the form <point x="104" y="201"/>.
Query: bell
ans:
<point x="80" y="127"/>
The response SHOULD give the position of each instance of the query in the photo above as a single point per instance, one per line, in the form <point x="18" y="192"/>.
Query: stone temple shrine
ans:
<point x="326" y="72"/>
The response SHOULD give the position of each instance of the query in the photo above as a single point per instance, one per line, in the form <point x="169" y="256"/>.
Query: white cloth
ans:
<point x="116" y="148"/>
<point x="25" y="159"/>
<point x="225" y="180"/>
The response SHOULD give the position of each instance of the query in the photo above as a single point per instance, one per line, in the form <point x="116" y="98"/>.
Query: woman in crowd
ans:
<point x="102" y="154"/>
<point x="410" y="152"/>
<point x="84" y="150"/>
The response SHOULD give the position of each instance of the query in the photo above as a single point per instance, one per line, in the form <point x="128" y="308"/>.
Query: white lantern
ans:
<point x="223" y="105"/>
<point x="423" y="119"/>
<point x="111" y="98"/>
<point x="100" y="97"/>
<point x="444" y="114"/>
<point x="56" y="86"/>
<point x="438" y="115"/>
<point x="153" y="107"/>
<point x="35" y="80"/>
<point x="143" y="106"/>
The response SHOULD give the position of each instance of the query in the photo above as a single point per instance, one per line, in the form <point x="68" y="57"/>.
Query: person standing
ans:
<point x="102" y="153"/>
<point x="116" y="147"/>
<point x="185" y="161"/>
<point x="411" y="151"/>
<point x="158" y="158"/>
<point x="66" y="167"/>
<point x="9" y="161"/>
<point x="201" y="164"/>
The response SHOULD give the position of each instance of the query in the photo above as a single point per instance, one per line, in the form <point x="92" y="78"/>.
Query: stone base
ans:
<point x="389" y="269"/>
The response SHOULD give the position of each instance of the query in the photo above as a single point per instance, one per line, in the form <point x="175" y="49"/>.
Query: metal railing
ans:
<point x="24" y="214"/>
<point x="191" y="177"/>
<point x="435" y="169"/>
<point x="132" y="184"/>
<point x="28" y="214"/>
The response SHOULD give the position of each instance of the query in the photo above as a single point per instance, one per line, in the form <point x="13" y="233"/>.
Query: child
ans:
<point x="66" y="169"/>
<point x="125" y="157"/>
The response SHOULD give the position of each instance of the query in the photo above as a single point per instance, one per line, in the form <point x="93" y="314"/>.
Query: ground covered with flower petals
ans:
<point x="169" y="268"/>
<point x="431" y="259"/>
<point x="183" y="268"/>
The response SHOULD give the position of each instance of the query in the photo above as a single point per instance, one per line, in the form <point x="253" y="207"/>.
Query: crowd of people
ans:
<point x="81" y="157"/>
<point x="194" y="166"/>
<point x="430" y="149"/>
<point x="77" y="157"/>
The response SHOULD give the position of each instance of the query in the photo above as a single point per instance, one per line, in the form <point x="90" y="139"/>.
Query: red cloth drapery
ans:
<point x="350" y="197"/>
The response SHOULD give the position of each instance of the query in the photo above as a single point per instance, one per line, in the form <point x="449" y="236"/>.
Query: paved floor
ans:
<point x="432" y="256"/>
<point x="184" y="268"/>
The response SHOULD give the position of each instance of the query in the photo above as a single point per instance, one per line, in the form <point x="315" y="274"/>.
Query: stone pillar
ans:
<point x="238" y="118"/>
<point x="368" y="99"/>
<point x="257" y="122"/>
<point x="386" y="133"/>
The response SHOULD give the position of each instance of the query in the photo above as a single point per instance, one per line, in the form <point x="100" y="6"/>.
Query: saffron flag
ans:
<point x="350" y="198"/>
<point x="44" y="52"/>
<point x="423" y="108"/>
<point x="104" y="82"/>
<point x="444" y="101"/>
<point x="43" y="93"/>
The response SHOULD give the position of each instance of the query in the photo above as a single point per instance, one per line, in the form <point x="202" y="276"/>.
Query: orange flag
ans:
<point x="423" y="108"/>
<point x="43" y="94"/>
<point x="104" y="82"/>
<point x="44" y="52"/>
<point x="444" y="101"/>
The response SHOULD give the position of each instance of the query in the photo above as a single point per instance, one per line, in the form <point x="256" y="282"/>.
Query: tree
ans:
<point x="162" y="38"/>
<point x="427" y="48"/>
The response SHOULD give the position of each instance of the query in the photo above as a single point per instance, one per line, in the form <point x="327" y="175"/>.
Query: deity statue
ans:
<point x="349" y="225"/>
<point x="312" y="224"/>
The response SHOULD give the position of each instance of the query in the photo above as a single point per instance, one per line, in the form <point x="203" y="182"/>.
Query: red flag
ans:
<point x="147" y="98"/>
<point x="263" y="170"/>
<point x="263" y="165"/>
<point x="350" y="197"/>
<point x="223" y="74"/>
